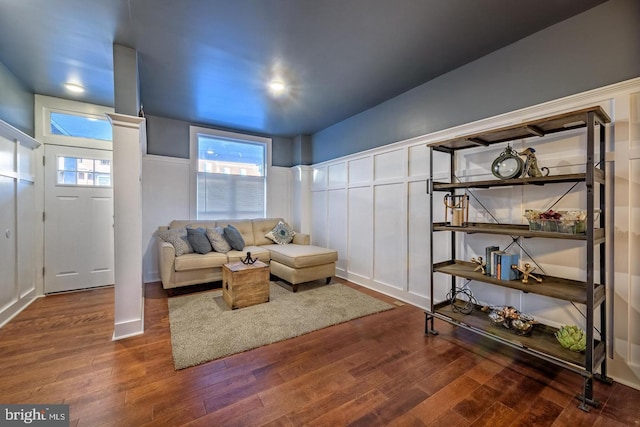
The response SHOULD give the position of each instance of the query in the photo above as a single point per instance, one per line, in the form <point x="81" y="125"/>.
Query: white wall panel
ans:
<point x="319" y="215"/>
<point x="360" y="231"/>
<point x="319" y="181"/>
<point x="419" y="226"/>
<point x="26" y="254"/>
<point x="8" y="292"/>
<point x="390" y="165"/>
<point x="279" y="193"/>
<point x="7" y="156"/>
<point x="390" y="224"/>
<point x="337" y="175"/>
<point x="361" y="171"/>
<point x="337" y="231"/>
<point x="418" y="160"/>
<point x="18" y="221"/>
<point x="634" y="265"/>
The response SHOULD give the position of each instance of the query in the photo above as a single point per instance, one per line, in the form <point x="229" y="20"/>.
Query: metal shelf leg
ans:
<point x="429" y="319"/>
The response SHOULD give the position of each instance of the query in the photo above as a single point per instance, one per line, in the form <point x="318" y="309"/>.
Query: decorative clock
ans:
<point x="507" y="165"/>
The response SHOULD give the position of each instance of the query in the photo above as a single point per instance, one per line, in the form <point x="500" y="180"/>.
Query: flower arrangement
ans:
<point x="571" y="222"/>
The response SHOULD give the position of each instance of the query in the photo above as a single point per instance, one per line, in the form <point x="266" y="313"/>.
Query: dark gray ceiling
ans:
<point x="207" y="61"/>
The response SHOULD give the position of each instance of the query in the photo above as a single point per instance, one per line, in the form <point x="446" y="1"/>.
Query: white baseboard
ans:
<point x="14" y="309"/>
<point x="128" y="329"/>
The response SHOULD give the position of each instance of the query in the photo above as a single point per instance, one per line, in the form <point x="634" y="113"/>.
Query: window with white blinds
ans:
<point x="230" y="173"/>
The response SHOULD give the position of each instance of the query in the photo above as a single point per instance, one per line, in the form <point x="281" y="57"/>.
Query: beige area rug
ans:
<point x="204" y="328"/>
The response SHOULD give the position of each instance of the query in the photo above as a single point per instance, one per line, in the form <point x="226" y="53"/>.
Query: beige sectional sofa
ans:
<point x="295" y="262"/>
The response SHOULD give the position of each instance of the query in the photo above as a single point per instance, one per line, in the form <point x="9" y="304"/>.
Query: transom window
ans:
<point x="84" y="172"/>
<point x="80" y="126"/>
<point x="230" y="174"/>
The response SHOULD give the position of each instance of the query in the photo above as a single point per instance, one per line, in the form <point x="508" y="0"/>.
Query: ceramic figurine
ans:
<point x="481" y="264"/>
<point x="526" y="273"/>
<point x="531" y="167"/>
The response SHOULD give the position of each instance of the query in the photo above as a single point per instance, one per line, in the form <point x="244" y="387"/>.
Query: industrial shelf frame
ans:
<point x="542" y="343"/>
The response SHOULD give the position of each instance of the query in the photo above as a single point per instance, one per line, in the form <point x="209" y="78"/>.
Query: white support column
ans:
<point x="129" y="141"/>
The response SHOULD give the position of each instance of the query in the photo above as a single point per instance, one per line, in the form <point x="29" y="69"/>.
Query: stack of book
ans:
<point x="499" y="263"/>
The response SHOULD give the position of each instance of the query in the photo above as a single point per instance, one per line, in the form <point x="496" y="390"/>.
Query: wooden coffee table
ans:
<point x="244" y="285"/>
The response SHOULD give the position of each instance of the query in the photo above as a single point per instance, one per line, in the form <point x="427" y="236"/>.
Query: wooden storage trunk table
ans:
<point x="245" y="285"/>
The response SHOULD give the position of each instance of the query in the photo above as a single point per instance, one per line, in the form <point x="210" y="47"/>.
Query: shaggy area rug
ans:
<point x="204" y="328"/>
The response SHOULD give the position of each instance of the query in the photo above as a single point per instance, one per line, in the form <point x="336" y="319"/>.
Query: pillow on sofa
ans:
<point x="281" y="234"/>
<point x="198" y="239"/>
<point x="217" y="240"/>
<point x="178" y="238"/>
<point x="234" y="237"/>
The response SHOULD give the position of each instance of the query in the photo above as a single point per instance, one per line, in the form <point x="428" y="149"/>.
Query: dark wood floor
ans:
<point x="377" y="370"/>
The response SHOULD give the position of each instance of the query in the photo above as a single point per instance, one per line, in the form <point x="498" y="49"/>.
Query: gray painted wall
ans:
<point x="16" y="102"/>
<point x="126" y="84"/>
<point x="169" y="137"/>
<point x="598" y="47"/>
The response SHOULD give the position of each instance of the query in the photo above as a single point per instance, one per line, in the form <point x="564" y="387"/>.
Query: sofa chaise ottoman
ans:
<point x="295" y="262"/>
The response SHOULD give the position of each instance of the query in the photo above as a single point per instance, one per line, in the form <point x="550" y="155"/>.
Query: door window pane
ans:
<point x="83" y="172"/>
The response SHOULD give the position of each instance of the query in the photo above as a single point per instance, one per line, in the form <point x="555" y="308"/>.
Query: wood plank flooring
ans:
<point x="374" y="371"/>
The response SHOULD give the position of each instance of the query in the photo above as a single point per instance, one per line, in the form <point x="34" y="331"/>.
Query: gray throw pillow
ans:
<point x="234" y="237"/>
<point x="198" y="240"/>
<point x="217" y="240"/>
<point x="178" y="238"/>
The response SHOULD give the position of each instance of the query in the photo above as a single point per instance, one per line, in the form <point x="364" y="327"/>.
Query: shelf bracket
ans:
<point x="478" y="141"/>
<point x="534" y="130"/>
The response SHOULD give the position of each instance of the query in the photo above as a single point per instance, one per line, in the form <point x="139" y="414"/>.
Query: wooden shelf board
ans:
<point x="544" y="126"/>
<point x="554" y="287"/>
<point x="541" y="340"/>
<point x="576" y="177"/>
<point x="513" y="230"/>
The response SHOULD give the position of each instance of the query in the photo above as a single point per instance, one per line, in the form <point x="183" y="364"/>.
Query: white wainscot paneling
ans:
<point x="26" y="165"/>
<point x="7" y="156"/>
<point x="634" y="266"/>
<point x="319" y="217"/>
<point x="101" y="257"/>
<point x="337" y="232"/>
<point x="418" y="236"/>
<point x="390" y="264"/>
<point x="8" y="293"/>
<point x="337" y="175"/>
<point x="360" y="171"/>
<point x="554" y="312"/>
<point x="441" y="163"/>
<point x="26" y="254"/>
<point x="361" y="232"/>
<point x="390" y="165"/>
<point x="487" y="294"/>
<point x="165" y="197"/>
<point x="319" y="181"/>
<point x="418" y="160"/>
<point x="279" y="192"/>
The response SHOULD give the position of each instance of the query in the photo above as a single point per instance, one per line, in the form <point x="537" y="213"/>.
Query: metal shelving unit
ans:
<point x="590" y="293"/>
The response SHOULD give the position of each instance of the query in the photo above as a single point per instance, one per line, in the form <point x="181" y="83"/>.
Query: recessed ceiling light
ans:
<point x="73" y="87"/>
<point x="277" y="87"/>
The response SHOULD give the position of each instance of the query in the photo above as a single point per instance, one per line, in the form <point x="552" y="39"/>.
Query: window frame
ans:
<point x="194" y="131"/>
<point x="45" y="105"/>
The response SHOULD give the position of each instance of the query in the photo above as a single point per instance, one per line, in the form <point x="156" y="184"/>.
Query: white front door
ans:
<point x="78" y="226"/>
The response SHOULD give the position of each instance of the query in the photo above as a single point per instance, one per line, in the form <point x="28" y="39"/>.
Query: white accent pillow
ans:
<point x="281" y="234"/>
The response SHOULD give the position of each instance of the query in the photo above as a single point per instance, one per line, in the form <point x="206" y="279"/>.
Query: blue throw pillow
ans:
<point x="234" y="237"/>
<point x="198" y="240"/>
